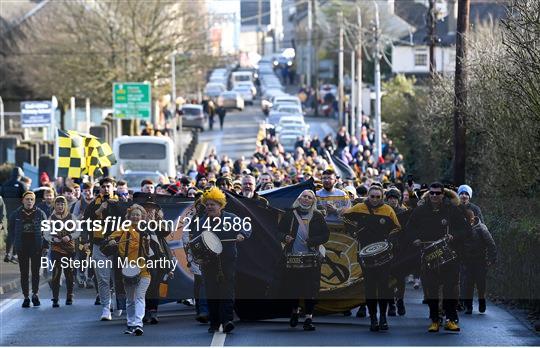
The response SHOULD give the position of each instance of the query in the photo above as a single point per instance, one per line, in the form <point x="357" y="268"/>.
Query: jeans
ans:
<point x="27" y="261"/>
<point x="378" y="290"/>
<point x="103" y="275"/>
<point x="448" y="277"/>
<point x="473" y="275"/>
<point x="135" y="299"/>
<point x="57" y="273"/>
<point x="201" y="305"/>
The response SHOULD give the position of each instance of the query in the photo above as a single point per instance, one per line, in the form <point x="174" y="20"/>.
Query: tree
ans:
<point x="81" y="47"/>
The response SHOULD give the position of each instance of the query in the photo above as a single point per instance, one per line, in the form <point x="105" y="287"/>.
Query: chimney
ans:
<point x="452" y="16"/>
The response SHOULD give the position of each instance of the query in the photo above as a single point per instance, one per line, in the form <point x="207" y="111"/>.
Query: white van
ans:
<point x="144" y="153"/>
<point x="241" y="76"/>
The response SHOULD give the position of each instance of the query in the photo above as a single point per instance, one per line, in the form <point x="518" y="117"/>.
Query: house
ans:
<point x="410" y="53"/>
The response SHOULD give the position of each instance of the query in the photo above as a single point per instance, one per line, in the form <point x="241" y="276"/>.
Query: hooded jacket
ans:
<point x="12" y="190"/>
<point x="479" y="245"/>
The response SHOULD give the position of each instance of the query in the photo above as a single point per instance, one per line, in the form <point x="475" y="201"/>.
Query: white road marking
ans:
<point x="7" y="303"/>
<point x="218" y="340"/>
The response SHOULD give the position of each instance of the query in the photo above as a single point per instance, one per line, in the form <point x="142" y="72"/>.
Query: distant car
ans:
<point x="274" y="117"/>
<point x="134" y="178"/>
<point x="246" y="92"/>
<point x="289" y="108"/>
<point x="193" y="116"/>
<point x="288" y="140"/>
<point x="231" y="100"/>
<point x="266" y="103"/>
<point x="249" y="85"/>
<point x="294" y="124"/>
<point x="328" y="89"/>
<point x="213" y="90"/>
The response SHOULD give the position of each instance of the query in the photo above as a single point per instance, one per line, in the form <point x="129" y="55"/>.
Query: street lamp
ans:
<point x="177" y="121"/>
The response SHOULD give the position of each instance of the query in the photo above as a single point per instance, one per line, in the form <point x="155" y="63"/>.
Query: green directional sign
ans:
<point x="132" y="100"/>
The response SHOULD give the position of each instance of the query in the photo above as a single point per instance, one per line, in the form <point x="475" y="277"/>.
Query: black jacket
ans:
<point x="318" y="232"/>
<point x="12" y="191"/>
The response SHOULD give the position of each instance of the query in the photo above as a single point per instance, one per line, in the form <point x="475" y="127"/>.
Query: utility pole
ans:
<point x="73" y="113"/>
<point x="460" y="92"/>
<point x="341" y="117"/>
<point x="2" y="120"/>
<point x="310" y="44"/>
<point x="431" y="38"/>
<point x="259" y="28"/>
<point x="359" y="72"/>
<point x="378" y="131"/>
<point x="87" y="114"/>
<point x="316" y="58"/>
<point x="352" y="126"/>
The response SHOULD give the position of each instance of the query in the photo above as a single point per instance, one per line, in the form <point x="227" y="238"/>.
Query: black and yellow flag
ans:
<point x="81" y="154"/>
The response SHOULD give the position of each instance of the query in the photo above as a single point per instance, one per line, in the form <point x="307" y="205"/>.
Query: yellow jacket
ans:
<point x="131" y="239"/>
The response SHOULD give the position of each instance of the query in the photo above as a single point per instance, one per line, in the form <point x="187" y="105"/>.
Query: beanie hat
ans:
<point x="465" y="188"/>
<point x="214" y="194"/>
<point x="393" y="192"/>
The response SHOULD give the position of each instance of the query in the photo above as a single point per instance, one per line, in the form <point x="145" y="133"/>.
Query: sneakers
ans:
<point x="106" y="314"/>
<point x="308" y="325"/>
<point x="97" y="302"/>
<point x="434" y="327"/>
<point x="468" y="310"/>
<point x="347" y="313"/>
<point x="35" y="300"/>
<point x="153" y="318"/>
<point x="482" y="305"/>
<point x="294" y="319"/>
<point x="26" y="303"/>
<point x="138" y="331"/>
<point x="228" y="327"/>
<point x="361" y="311"/>
<point x="383" y="324"/>
<point x="400" y="307"/>
<point x="118" y="312"/>
<point x="129" y="330"/>
<point x="391" y="310"/>
<point x="451" y="326"/>
<point x="374" y="324"/>
<point x="416" y="284"/>
<point x="202" y="318"/>
<point x="69" y="300"/>
<point x="55" y="303"/>
<point x="213" y="328"/>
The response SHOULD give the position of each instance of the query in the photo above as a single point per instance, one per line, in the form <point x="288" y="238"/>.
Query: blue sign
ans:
<point x="36" y="113"/>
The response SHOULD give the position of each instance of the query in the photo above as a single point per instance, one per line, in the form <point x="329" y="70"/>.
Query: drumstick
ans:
<point x="229" y="240"/>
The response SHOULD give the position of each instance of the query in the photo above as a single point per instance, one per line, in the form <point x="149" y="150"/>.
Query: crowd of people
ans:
<point x="382" y="206"/>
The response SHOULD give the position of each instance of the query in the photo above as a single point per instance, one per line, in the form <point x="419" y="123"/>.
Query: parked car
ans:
<point x="294" y="124"/>
<point x="246" y="93"/>
<point x="193" y="116"/>
<point x="231" y="100"/>
<point x="289" y="108"/>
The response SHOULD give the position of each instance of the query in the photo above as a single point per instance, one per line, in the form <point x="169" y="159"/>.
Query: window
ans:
<point x="420" y="58"/>
<point x="142" y="151"/>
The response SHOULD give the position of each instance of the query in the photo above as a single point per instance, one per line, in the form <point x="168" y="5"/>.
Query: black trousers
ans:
<point x="474" y="275"/>
<point x="447" y="277"/>
<point x="378" y="290"/>
<point x="29" y="261"/>
<point x="219" y="278"/>
<point x="57" y="273"/>
<point x="303" y="283"/>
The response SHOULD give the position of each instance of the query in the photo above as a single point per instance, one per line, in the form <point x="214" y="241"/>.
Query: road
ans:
<point x="240" y="132"/>
<point x="78" y="325"/>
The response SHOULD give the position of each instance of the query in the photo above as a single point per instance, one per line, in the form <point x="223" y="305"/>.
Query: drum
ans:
<point x="376" y="254"/>
<point x="302" y="260"/>
<point x="206" y="247"/>
<point x="131" y="274"/>
<point x="436" y="255"/>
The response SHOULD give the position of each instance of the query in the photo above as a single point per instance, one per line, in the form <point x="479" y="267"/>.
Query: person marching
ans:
<point x="24" y="234"/>
<point x="134" y="246"/>
<point x="303" y="230"/>
<point x="62" y="248"/>
<point x="372" y="222"/>
<point x="438" y="218"/>
<point x="219" y="273"/>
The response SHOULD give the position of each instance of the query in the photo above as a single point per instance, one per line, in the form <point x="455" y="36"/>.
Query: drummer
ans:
<point x="303" y="230"/>
<point x="431" y="221"/>
<point x="373" y="221"/>
<point x="219" y="274"/>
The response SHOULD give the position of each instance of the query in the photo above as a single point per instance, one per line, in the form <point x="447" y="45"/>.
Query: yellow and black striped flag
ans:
<point x="81" y="154"/>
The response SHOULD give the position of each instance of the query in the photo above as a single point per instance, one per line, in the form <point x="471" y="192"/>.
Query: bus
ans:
<point x="144" y="153"/>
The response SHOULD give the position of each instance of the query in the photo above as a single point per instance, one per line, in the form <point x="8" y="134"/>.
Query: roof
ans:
<point x="412" y="12"/>
<point x="479" y="13"/>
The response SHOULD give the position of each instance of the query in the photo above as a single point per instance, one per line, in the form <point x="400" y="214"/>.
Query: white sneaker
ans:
<point x="118" y="312"/>
<point x="106" y="314"/>
<point x="416" y="283"/>
<point x="410" y="279"/>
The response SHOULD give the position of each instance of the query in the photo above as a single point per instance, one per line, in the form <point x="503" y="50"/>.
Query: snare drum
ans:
<point x="206" y="247"/>
<point x="302" y="260"/>
<point x="376" y="254"/>
<point x="436" y="255"/>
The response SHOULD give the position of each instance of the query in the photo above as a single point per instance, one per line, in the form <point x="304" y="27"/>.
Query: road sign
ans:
<point x="132" y="100"/>
<point x="36" y="114"/>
